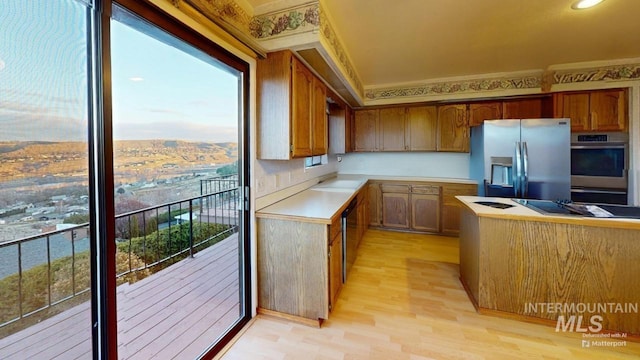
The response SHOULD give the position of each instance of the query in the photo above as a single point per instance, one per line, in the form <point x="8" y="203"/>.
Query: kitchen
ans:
<point x="384" y="153"/>
<point x="357" y="170"/>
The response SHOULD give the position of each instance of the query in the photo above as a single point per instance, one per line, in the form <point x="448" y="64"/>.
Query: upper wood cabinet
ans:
<point x="599" y="110"/>
<point x="392" y="129"/>
<point x="292" y="120"/>
<point x="422" y="123"/>
<point x="319" y="122"/>
<point x="479" y="112"/>
<point x="453" y="128"/>
<point x="366" y="130"/>
<point x="340" y="128"/>
<point x="522" y="109"/>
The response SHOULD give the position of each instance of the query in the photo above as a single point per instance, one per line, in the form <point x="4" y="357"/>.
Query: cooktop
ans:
<point x="547" y="207"/>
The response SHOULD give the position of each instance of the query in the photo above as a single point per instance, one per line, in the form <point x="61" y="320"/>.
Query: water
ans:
<point x="34" y="252"/>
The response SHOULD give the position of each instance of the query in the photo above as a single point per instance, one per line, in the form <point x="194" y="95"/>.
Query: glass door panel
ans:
<point x="177" y="116"/>
<point x="45" y="229"/>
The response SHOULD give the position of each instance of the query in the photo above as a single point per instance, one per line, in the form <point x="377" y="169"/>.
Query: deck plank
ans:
<point x="152" y="313"/>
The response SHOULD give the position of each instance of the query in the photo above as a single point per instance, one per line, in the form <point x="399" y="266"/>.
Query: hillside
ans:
<point x="134" y="159"/>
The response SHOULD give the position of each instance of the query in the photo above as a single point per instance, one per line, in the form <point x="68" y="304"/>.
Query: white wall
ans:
<point x="424" y="164"/>
<point x="277" y="179"/>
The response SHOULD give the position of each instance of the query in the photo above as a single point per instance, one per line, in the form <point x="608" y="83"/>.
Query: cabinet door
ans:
<point x="392" y="129"/>
<point x="395" y="210"/>
<point x="375" y="205"/>
<point x="319" y="128"/>
<point x="608" y="110"/>
<point x="574" y="106"/>
<point x="479" y="112"/>
<point x="335" y="269"/>
<point x="302" y="86"/>
<point x="366" y="130"/>
<point x="422" y="123"/>
<point x="425" y="212"/>
<point x="453" y="129"/>
<point x="451" y="207"/>
<point x="522" y="109"/>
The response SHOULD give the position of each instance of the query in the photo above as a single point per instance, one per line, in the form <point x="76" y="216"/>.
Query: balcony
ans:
<point x="178" y="276"/>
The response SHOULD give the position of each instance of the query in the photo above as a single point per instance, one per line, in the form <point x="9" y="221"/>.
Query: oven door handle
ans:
<point x="594" y="191"/>
<point x="598" y="146"/>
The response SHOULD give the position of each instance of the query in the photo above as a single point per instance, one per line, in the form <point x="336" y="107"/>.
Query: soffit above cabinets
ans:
<point x="415" y="50"/>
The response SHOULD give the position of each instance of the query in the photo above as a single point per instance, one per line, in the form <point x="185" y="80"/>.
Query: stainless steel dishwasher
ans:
<point x="349" y="238"/>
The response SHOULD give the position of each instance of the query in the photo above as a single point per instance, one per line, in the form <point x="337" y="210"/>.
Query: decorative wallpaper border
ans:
<point x="286" y="22"/>
<point x="332" y="39"/>
<point x="228" y="10"/>
<point x="606" y="73"/>
<point x="455" y="87"/>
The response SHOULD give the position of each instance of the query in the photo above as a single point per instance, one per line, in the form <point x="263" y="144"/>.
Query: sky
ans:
<point x="159" y="92"/>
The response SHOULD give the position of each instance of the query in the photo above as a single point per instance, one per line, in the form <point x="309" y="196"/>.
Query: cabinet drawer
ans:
<point x="335" y="228"/>
<point x="386" y="188"/>
<point x="425" y="189"/>
<point x="469" y="190"/>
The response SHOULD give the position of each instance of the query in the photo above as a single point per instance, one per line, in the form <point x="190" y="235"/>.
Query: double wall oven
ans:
<point x="599" y="167"/>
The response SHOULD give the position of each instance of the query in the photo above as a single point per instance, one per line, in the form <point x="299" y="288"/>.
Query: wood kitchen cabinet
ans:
<point x="395" y="206"/>
<point x="451" y="207"/>
<point x="375" y="204"/>
<point x="340" y="128"/>
<point x="425" y="208"/>
<point x="292" y="121"/>
<point x="453" y="128"/>
<point x="335" y="260"/>
<point x="428" y="207"/>
<point x="598" y="110"/>
<point x="479" y="112"/>
<point x="392" y="129"/>
<point x="366" y="130"/>
<point x="422" y="123"/>
<point x="522" y="109"/>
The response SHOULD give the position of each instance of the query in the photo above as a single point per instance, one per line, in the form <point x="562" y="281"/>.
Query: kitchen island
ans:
<point x="576" y="273"/>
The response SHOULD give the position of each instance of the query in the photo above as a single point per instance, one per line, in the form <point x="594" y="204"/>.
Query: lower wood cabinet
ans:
<point x="300" y="264"/>
<point x="451" y="207"/>
<point x="335" y="261"/>
<point x="429" y="207"/>
<point x="425" y="208"/>
<point x="395" y="206"/>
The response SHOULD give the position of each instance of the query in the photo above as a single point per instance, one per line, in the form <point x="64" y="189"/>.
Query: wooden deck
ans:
<point x="175" y="313"/>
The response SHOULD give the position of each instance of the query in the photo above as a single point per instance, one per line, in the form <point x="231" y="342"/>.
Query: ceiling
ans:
<point x="394" y="42"/>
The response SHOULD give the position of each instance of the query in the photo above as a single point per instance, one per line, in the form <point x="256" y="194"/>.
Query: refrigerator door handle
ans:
<point x="517" y="174"/>
<point x="525" y="170"/>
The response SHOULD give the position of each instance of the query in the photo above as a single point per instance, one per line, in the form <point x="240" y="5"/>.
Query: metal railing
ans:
<point x="152" y="238"/>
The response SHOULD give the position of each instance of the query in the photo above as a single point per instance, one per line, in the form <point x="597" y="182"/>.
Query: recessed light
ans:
<point x="585" y="4"/>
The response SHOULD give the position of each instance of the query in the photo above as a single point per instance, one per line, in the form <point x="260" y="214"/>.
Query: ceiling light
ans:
<point x="136" y="78"/>
<point x="585" y="4"/>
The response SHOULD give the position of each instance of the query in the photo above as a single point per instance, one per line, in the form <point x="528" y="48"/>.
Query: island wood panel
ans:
<point x="293" y="268"/>
<point x="470" y="257"/>
<point x="523" y="262"/>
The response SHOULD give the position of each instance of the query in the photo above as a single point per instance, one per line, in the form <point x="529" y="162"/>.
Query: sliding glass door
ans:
<point x="123" y="177"/>
<point x="177" y="120"/>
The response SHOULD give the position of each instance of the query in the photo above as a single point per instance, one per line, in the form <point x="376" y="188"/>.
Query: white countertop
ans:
<point x="521" y="212"/>
<point x="321" y="202"/>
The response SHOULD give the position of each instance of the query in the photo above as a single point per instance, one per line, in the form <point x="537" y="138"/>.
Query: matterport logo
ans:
<point x="586" y="318"/>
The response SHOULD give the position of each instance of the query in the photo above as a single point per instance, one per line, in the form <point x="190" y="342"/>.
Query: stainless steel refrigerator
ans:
<point x="525" y="158"/>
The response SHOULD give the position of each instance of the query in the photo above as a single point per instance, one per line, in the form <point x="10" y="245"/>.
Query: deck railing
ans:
<point x="147" y="240"/>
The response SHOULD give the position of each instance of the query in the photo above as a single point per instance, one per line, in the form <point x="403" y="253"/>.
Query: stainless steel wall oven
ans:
<point x="599" y="167"/>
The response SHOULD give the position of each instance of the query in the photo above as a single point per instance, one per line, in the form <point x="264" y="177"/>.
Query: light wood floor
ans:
<point x="404" y="300"/>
